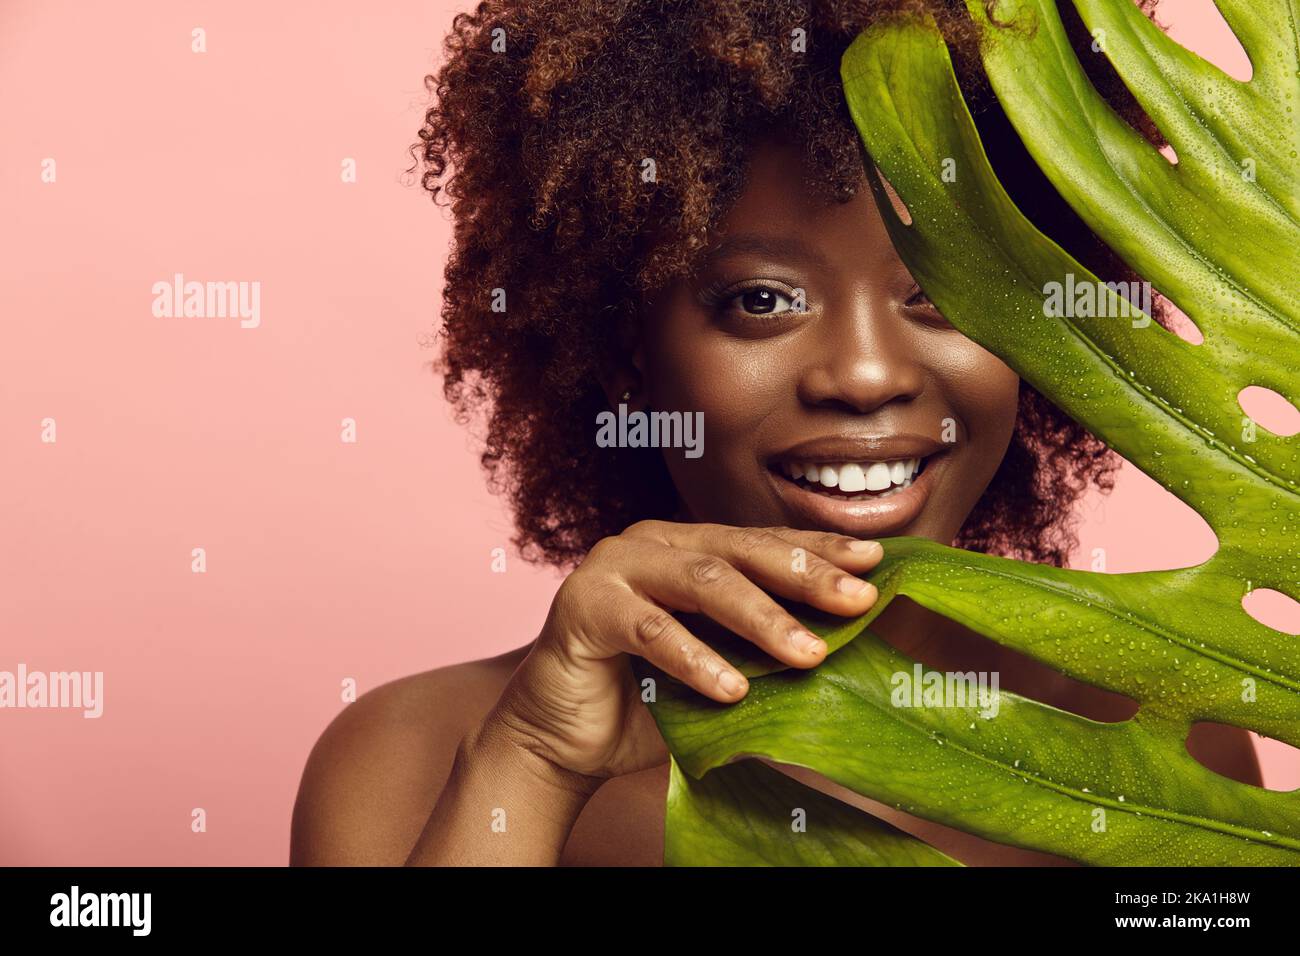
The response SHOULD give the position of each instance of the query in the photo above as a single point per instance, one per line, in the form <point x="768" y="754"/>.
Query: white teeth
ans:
<point x="878" y="477"/>
<point x="852" y="478"/>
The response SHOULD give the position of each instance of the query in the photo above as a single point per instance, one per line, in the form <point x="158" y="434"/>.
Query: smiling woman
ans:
<point x="863" y="380"/>
<point x="749" y="280"/>
<point x="568" y="115"/>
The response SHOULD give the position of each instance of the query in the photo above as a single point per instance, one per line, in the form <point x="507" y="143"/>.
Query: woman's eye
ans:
<point x="927" y="310"/>
<point x="919" y="299"/>
<point x="763" y="300"/>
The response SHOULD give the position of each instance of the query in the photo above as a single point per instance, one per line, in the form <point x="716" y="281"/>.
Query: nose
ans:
<point x="864" y="356"/>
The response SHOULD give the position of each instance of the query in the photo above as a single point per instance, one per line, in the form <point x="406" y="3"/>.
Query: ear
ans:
<point x="625" y="384"/>
<point x="623" y="381"/>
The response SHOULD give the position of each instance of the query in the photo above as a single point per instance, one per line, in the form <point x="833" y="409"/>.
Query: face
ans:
<point x="863" y="412"/>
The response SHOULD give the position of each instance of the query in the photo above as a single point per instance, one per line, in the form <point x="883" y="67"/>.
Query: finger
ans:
<point x="706" y="584"/>
<point x="793" y="567"/>
<point x="858" y="555"/>
<point x="640" y="627"/>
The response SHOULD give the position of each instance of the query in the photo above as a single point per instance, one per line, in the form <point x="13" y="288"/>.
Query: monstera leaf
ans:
<point x="1218" y="232"/>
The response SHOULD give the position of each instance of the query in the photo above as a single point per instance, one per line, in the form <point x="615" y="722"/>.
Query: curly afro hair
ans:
<point x="544" y="109"/>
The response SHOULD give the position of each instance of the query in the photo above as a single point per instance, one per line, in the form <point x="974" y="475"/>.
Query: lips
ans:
<point x="866" y="486"/>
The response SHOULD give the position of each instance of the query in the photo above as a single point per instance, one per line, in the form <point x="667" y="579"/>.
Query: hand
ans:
<point x="574" y="700"/>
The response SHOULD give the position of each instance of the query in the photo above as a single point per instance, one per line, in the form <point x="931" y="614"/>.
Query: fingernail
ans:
<point x="731" y="682"/>
<point x="853" y="586"/>
<point x="808" y="642"/>
<point x="865" y="547"/>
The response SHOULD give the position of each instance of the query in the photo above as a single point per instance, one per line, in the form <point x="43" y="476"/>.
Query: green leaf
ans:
<point x="1223" y="245"/>
<point x="746" y="814"/>
<point x="1030" y="775"/>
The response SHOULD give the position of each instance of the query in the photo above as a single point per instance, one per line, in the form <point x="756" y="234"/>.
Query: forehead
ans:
<point x="779" y="198"/>
<point x="777" y="178"/>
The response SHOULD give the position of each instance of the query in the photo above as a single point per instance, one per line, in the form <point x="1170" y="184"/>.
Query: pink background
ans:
<point x="326" y="560"/>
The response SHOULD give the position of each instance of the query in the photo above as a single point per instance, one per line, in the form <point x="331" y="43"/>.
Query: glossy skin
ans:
<point x="868" y="370"/>
<point x="553" y="735"/>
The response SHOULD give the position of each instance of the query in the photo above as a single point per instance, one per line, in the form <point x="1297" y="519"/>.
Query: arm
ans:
<point x="480" y="764"/>
<point x="375" y="773"/>
<point x="503" y="805"/>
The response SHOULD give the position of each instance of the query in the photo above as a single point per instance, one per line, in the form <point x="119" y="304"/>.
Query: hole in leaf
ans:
<point x="1232" y="752"/>
<point x="1273" y="609"/>
<point x="1177" y="322"/>
<point x="1201" y="28"/>
<point x="1280" y="763"/>
<point x="955" y="649"/>
<point x="1139" y="526"/>
<point x="900" y="208"/>
<point x="1269" y="410"/>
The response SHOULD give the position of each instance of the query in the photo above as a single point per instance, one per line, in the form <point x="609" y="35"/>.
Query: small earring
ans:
<point x="626" y="396"/>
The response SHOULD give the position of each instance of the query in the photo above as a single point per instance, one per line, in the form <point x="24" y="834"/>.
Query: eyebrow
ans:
<point x="791" y="247"/>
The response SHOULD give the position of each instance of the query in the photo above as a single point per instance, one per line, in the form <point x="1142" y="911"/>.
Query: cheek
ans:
<point x="985" y="392"/>
<point x="690" y="370"/>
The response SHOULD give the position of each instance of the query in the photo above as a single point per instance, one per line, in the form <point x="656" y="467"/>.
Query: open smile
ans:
<point x="870" y="488"/>
<point x="856" y="480"/>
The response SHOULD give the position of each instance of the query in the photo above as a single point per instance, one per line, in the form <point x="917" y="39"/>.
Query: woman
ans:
<point x="661" y="205"/>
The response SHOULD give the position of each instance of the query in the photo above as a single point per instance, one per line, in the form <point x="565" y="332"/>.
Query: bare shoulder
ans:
<point x="375" y="773"/>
